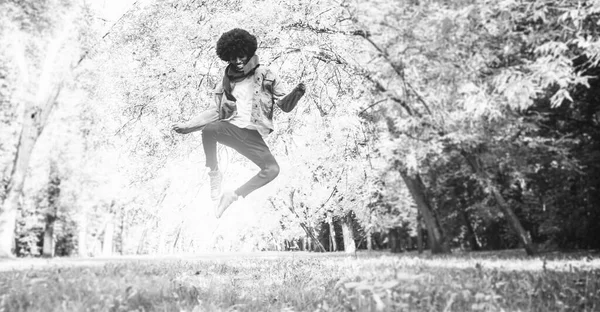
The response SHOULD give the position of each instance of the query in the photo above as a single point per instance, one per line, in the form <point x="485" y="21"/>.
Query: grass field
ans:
<point x="506" y="281"/>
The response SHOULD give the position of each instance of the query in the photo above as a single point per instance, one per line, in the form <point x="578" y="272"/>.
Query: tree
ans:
<point x="52" y="211"/>
<point x="412" y="180"/>
<point x="36" y="95"/>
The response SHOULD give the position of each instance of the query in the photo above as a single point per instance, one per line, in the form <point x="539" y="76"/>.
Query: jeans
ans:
<point x="247" y="142"/>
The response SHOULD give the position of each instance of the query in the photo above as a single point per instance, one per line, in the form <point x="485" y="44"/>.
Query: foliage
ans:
<point x="483" y="79"/>
<point x="421" y="86"/>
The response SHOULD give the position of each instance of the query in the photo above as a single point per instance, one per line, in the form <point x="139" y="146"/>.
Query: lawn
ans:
<point x="505" y="281"/>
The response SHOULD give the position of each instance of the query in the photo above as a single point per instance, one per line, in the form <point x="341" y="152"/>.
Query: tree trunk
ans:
<point x="310" y="234"/>
<point x="369" y="239"/>
<point x="8" y="214"/>
<point x="48" y="249"/>
<point x="276" y="242"/>
<point x="419" y="232"/>
<point x="307" y="229"/>
<point x="53" y="193"/>
<point x="48" y="243"/>
<point x="394" y="240"/>
<point x="348" y="233"/>
<point x="470" y="232"/>
<point x="8" y="219"/>
<point x="332" y="242"/>
<point x="142" y="243"/>
<point x="121" y="232"/>
<point x="512" y="219"/>
<point x="107" y="242"/>
<point x="514" y="222"/>
<point x="416" y="188"/>
<point x="179" y="229"/>
<point x="82" y="249"/>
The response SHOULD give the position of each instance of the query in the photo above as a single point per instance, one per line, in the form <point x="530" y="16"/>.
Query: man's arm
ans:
<point x="197" y="123"/>
<point x="289" y="101"/>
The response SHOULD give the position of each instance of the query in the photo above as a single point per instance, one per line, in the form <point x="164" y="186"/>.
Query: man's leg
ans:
<point x="250" y="144"/>
<point x="209" y="142"/>
<point x="257" y="151"/>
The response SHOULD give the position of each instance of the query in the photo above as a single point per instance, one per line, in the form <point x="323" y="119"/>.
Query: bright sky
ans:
<point x="111" y="10"/>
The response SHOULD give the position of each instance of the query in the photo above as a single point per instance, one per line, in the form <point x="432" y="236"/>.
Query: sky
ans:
<point x="111" y="10"/>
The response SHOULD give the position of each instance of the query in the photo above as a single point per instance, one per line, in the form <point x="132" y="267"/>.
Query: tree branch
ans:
<point x="86" y="53"/>
<point x="322" y="56"/>
<point x="398" y="68"/>
<point x="370" y="106"/>
<point x="320" y="30"/>
<point x="308" y="229"/>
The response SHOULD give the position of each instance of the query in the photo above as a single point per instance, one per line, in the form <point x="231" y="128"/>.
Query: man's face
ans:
<point x="239" y="62"/>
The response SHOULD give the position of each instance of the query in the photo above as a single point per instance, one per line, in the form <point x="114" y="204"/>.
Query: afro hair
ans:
<point x="234" y="43"/>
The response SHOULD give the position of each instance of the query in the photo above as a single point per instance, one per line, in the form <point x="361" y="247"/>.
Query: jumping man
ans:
<point x="241" y="115"/>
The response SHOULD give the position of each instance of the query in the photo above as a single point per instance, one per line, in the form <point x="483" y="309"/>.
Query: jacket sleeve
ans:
<point x="197" y="123"/>
<point x="218" y="94"/>
<point x="211" y="114"/>
<point x="288" y="101"/>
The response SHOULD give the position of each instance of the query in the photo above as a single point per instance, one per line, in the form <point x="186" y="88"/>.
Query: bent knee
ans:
<point x="271" y="171"/>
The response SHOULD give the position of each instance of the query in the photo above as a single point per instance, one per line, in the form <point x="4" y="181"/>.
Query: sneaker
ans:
<point x="226" y="200"/>
<point x="215" y="184"/>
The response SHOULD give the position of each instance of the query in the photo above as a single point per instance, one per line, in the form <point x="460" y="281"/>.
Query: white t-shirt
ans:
<point x="242" y="91"/>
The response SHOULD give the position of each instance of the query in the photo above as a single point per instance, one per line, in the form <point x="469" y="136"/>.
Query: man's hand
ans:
<point x="301" y="87"/>
<point x="180" y="128"/>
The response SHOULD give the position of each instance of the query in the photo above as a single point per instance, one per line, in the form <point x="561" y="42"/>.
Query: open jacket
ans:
<point x="268" y="93"/>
